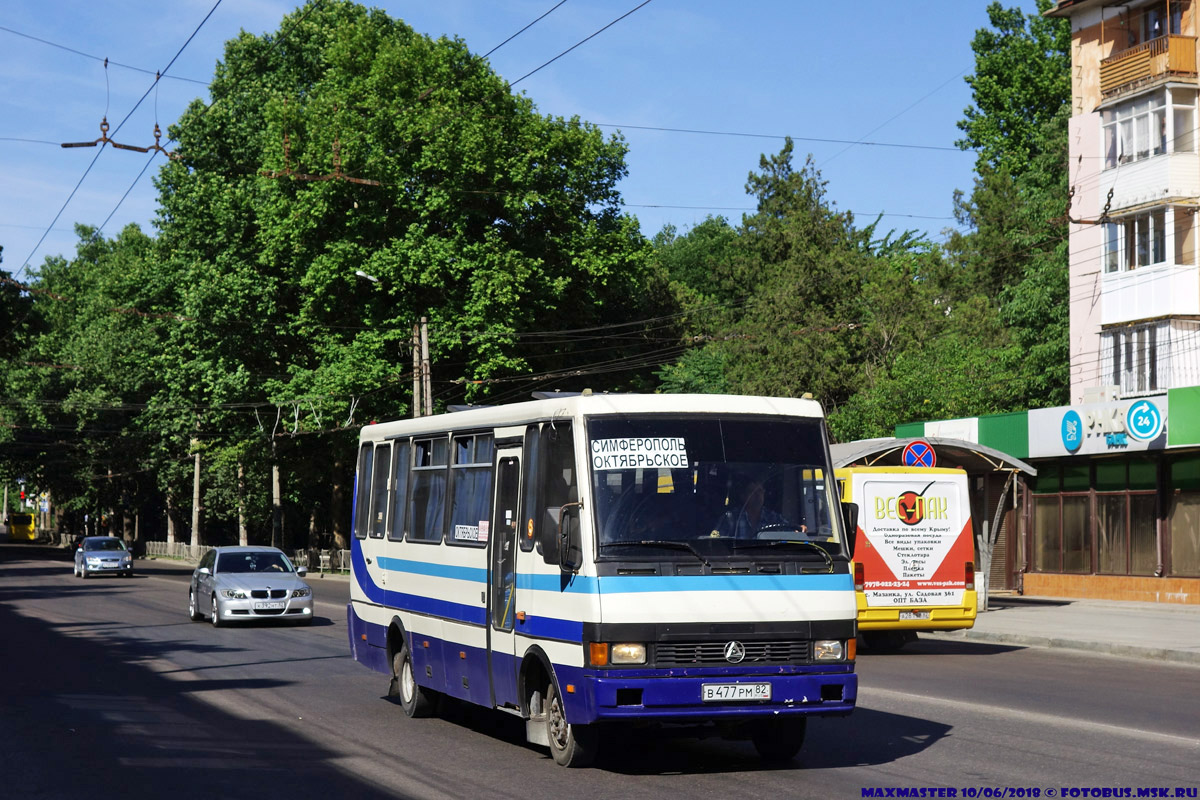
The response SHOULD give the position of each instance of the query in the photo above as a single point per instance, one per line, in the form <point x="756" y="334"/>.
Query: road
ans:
<point x="110" y="691"/>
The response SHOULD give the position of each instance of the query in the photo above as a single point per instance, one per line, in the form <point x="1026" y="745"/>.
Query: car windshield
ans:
<point x="724" y="488"/>
<point x="103" y="544"/>
<point x="253" y="562"/>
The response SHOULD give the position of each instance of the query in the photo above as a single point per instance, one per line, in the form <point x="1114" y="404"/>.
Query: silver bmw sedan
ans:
<point x="239" y="584"/>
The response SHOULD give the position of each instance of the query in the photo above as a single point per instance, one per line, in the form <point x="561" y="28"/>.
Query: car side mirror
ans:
<point x="850" y="515"/>
<point x="570" y="547"/>
<point x="203" y="571"/>
<point x="301" y="571"/>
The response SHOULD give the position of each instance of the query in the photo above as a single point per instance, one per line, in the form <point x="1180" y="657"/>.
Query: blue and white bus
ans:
<point x="586" y="561"/>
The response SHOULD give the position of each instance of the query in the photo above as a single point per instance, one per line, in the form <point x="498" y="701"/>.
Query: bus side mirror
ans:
<point x="570" y="546"/>
<point x="850" y="515"/>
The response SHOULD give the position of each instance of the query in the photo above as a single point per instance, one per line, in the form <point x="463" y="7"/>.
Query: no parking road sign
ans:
<point x="919" y="453"/>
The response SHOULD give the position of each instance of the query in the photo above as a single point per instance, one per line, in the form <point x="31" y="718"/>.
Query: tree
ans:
<point x="1016" y="250"/>
<point x="347" y="142"/>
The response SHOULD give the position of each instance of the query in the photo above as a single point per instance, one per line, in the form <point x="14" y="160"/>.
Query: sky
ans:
<point x="699" y="89"/>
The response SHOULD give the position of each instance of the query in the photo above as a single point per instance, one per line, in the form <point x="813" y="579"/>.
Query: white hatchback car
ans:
<point x="239" y="584"/>
<point x="102" y="555"/>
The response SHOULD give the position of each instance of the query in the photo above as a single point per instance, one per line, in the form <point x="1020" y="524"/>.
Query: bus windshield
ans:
<point x="708" y="488"/>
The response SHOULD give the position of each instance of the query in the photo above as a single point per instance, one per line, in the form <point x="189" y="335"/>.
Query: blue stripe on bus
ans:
<point x="459" y="612"/>
<point x="475" y="574"/>
<point x="627" y="584"/>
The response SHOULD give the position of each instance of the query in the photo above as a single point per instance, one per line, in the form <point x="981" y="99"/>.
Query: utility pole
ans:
<point x="416" y="362"/>
<point x="426" y="378"/>
<point x="196" y="499"/>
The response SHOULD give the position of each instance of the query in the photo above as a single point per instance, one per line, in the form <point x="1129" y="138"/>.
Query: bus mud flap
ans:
<point x="535" y="726"/>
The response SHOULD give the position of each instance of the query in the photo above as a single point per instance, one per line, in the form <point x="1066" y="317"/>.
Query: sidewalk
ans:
<point x="1140" y="630"/>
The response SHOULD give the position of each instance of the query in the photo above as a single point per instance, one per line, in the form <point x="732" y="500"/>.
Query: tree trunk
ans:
<point x="337" y="508"/>
<point x="171" y="512"/>
<point x="243" y="539"/>
<point x="276" y="507"/>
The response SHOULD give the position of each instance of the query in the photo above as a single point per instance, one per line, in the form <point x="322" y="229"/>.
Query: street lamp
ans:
<point x="362" y="274"/>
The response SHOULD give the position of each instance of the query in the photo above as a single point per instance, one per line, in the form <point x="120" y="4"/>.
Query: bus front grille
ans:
<point x="683" y="654"/>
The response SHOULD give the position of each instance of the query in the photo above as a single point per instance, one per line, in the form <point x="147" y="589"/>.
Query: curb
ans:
<point x="1054" y="642"/>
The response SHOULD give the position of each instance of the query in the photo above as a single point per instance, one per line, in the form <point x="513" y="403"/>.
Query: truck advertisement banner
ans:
<point x="914" y="537"/>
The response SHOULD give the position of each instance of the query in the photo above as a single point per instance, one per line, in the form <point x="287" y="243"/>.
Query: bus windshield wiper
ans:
<point x="776" y="542"/>
<point x="660" y="543"/>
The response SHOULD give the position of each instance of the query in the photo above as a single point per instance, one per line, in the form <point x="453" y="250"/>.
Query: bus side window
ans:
<point x="379" y="490"/>
<point x="532" y="461"/>
<point x="427" y="509"/>
<point x="400" y="471"/>
<point x="362" y="490"/>
<point x="559" y="485"/>
<point x="471" y="489"/>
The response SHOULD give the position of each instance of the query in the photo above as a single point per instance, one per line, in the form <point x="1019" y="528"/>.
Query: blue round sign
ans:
<point x="919" y="453"/>
<point x="1072" y="431"/>
<point x="1144" y="421"/>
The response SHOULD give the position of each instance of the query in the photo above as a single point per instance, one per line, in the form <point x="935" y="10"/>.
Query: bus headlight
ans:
<point x="828" y="650"/>
<point x="629" y="654"/>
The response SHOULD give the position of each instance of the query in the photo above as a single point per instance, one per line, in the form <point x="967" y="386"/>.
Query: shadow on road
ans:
<point x="83" y="718"/>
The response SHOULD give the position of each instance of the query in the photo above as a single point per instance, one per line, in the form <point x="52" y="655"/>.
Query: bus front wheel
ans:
<point x="571" y="745"/>
<point x="779" y="739"/>
<point x="416" y="700"/>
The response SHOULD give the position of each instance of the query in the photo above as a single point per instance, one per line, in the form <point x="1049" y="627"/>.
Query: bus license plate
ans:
<point x="268" y="606"/>
<point x="735" y="691"/>
<point x="914" y="615"/>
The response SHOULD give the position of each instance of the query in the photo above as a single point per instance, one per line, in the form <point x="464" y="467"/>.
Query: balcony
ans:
<point x="1161" y="290"/>
<point x="1158" y="58"/>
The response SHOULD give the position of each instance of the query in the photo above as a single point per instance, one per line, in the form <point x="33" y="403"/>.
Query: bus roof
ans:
<point x="571" y="406"/>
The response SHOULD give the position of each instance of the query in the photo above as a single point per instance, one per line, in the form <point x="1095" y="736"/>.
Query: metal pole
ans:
<point x="426" y="380"/>
<point x="196" y="502"/>
<point x="416" y="362"/>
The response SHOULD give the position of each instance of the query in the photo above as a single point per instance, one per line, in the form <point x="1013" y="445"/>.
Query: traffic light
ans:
<point x="22" y="494"/>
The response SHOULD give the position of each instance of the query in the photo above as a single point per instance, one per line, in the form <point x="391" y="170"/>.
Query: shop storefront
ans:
<point x="1114" y="510"/>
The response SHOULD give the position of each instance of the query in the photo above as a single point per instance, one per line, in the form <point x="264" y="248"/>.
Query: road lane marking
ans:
<point x="1028" y="716"/>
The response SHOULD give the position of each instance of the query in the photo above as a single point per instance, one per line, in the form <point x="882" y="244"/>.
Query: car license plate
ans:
<point x="269" y="606"/>
<point x="712" y="692"/>
<point x="914" y="615"/>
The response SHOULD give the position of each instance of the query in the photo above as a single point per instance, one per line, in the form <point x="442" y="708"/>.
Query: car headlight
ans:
<point x="305" y="592"/>
<point x="234" y="594"/>
<point x="93" y="561"/>
<point x="829" y="650"/>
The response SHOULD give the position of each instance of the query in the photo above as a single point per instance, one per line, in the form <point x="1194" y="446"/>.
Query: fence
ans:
<point x="315" y="560"/>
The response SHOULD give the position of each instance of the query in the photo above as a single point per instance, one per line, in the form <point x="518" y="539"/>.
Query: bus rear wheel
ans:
<point x="416" y="700"/>
<point x="571" y="745"/>
<point x="779" y="739"/>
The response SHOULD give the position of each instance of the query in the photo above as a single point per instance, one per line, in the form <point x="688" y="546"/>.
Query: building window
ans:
<point x="1138" y="129"/>
<point x="1137" y="242"/>
<point x="1134" y="358"/>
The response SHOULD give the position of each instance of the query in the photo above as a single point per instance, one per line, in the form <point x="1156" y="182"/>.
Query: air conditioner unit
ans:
<point x="1101" y="394"/>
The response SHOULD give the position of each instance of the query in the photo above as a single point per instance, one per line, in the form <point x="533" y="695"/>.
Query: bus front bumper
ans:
<point x="681" y="698"/>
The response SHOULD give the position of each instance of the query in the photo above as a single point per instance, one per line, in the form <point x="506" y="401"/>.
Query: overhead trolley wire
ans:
<point x="86" y="172"/>
<point x="94" y="58"/>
